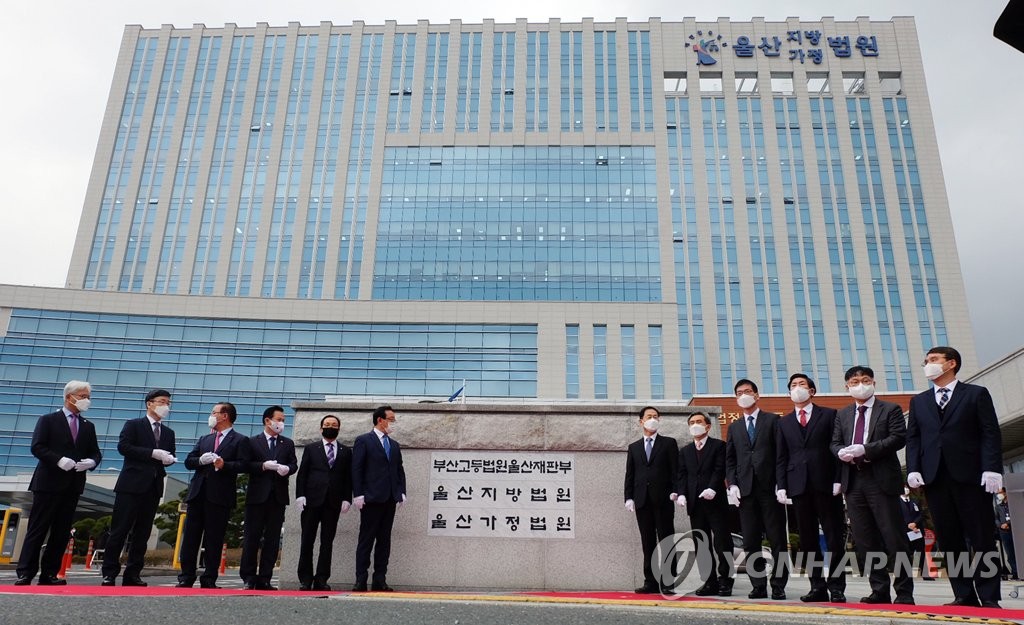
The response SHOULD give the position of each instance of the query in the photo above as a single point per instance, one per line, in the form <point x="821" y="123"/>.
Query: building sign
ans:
<point x="502" y="494"/>
<point x="798" y="45"/>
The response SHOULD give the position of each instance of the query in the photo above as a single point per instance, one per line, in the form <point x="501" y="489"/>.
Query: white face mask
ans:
<point x="162" y="411"/>
<point x="391" y="427"/>
<point x="211" y="421"/>
<point x="277" y="426"/>
<point x="651" y="425"/>
<point x="698" y="429"/>
<point x="746" y="401"/>
<point x="933" y="370"/>
<point x="862" y="392"/>
<point x="83" y="404"/>
<point x="799" y="394"/>
<point x="1000" y="497"/>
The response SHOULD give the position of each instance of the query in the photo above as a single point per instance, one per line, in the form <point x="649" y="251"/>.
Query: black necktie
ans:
<point x="156" y="432"/>
<point x="273" y="446"/>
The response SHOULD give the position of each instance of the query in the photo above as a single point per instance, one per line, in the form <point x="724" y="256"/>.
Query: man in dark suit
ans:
<point x="750" y="458"/>
<point x="217" y="459"/>
<point x="148" y="447"/>
<point x="651" y="467"/>
<point x="701" y="484"/>
<point x="323" y="491"/>
<point x="913" y="521"/>
<point x="808" y="473"/>
<point x="66" y="446"/>
<point x="378" y="483"/>
<point x="272" y="460"/>
<point x="954" y="450"/>
<point x="866" y="437"/>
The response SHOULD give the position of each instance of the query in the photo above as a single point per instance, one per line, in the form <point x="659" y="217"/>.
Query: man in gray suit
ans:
<point x="866" y="437"/>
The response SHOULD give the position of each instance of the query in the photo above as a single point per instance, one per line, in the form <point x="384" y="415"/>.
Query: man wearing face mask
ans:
<point x="323" y="491"/>
<point x="1002" y="510"/>
<point x="651" y="466"/>
<point x="66" y="446"/>
<point x="866" y="437"/>
<point x="808" y="473"/>
<point x="750" y="472"/>
<point x="701" y="484"/>
<point x="272" y="461"/>
<point x="217" y="459"/>
<point x="378" y="483"/>
<point x="954" y="450"/>
<point x="148" y="448"/>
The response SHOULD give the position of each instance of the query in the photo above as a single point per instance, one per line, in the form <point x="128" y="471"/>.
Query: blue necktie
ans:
<point x="387" y="446"/>
<point x="750" y="428"/>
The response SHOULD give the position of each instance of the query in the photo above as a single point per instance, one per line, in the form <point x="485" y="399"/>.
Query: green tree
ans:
<point x="167" y="518"/>
<point x="89" y="528"/>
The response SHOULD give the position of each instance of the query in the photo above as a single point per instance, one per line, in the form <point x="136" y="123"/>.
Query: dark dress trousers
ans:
<point x="649" y="483"/>
<point x="951" y="448"/>
<point x="138" y="490"/>
<point x="265" y="500"/>
<point x="751" y="466"/>
<point x="699" y="470"/>
<point x="873" y="485"/>
<point x="211" y="496"/>
<point x="324" y="488"/>
<point x="55" y="492"/>
<point x="380" y="479"/>
<point x="806" y="469"/>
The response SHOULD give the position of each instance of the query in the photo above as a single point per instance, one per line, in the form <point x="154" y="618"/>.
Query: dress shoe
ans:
<point x="211" y="585"/>
<point x="359" y="587"/>
<point x="108" y="580"/>
<point x="838" y="597"/>
<point x="307" y="587"/>
<point x="23" y="581"/>
<point x="707" y="590"/>
<point x="647" y="589"/>
<point x="265" y="586"/>
<point x="184" y="584"/>
<point x="725" y="588"/>
<point x="928" y="579"/>
<point x="963" y="603"/>
<point x="991" y="604"/>
<point x="759" y="592"/>
<point x="778" y="594"/>
<point x="381" y="587"/>
<point x="904" y="601"/>
<point x="321" y="586"/>
<point x="52" y="581"/>
<point x="876" y="597"/>
<point x="815" y="596"/>
<point x="133" y="581"/>
<point x="249" y="586"/>
<point x="668" y="591"/>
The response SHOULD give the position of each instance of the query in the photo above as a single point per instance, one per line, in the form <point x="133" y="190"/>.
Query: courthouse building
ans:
<point x="597" y="211"/>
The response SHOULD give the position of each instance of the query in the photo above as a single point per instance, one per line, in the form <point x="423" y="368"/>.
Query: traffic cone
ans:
<point x="224" y="559"/>
<point x="88" y="556"/>
<point x="66" y="561"/>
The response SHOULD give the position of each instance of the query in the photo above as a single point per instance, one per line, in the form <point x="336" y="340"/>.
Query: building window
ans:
<point x="675" y="83"/>
<point x="890" y="83"/>
<point x="628" y="337"/>
<point x="710" y="83"/>
<point x="746" y="83"/>
<point x="853" y="83"/>
<point x="601" y="362"/>
<point x="782" y="83"/>
<point x="657" y="362"/>
<point x="572" y="362"/>
<point x="817" y="84"/>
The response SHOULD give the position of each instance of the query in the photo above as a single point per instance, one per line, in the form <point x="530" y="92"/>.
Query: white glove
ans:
<point x="208" y="458"/>
<point x="282" y="469"/>
<point x="169" y="460"/>
<point x="270" y="465"/>
<point x="780" y="496"/>
<point x="708" y="494"/>
<point x="66" y="463"/>
<point x="915" y="480"/>
<point x="681" y="501"/>
<point x="359" y="502"/>
<point x="159" y="454"/>
<point x="85" y="465"/>
<point x="993" y="482"/>
<point x="734" y="495"/>
<point x="345" y="507"/>
<point x="300" y="503"/>
<point x="836" y="489"/>
<point x="857" y="451"/>
<point x="673" y="496"/>
<point x="845" y="455"/>
<point x="399" y="504"/>
<point x="630" y="506"/>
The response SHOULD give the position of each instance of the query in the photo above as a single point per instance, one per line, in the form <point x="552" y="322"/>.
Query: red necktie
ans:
<point x="216" y="441"/>
<point x="74" y="427"/>
<point x="803" y="418"/>
<point x="858" y="427"/>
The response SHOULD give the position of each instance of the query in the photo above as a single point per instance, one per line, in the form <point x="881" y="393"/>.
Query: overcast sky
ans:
<point x="58" y="60"/>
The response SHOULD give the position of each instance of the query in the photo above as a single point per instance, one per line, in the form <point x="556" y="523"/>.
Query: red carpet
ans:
<point x="589" y="597"/>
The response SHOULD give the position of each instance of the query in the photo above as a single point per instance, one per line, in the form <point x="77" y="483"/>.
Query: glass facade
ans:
<point x="518" y="223"/>
<point x="250" y="363"/>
